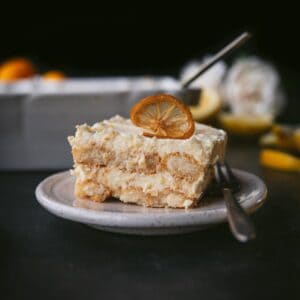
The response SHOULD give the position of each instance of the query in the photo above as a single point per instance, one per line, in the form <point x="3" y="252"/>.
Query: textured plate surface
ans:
<point x="56" y="194"/>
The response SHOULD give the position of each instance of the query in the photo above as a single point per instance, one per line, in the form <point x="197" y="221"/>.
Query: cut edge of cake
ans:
<point x="113" y="159"/>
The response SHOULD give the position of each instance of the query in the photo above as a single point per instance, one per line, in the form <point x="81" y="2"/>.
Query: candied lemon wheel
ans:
<point x="208" y="106"/>
<point x="245" y="124"/>
<point x="16" y="68"/>
<point x="54" y="75"/>
<point x="279" y="160"/>
<point x="163" y="116"/>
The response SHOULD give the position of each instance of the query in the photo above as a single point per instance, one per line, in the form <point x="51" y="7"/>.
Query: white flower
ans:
<point x="212" y="78"/>
<point x="252" y="87"/>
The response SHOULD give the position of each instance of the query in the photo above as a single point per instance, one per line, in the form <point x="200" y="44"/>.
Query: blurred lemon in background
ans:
<point x="279" y="160"/>
<point x="17" y="68"/>
<point x="283" y="137"/>
<point x="241" y="124"/>
<point x="208" y="106"/>
<point x="54" y="75"/>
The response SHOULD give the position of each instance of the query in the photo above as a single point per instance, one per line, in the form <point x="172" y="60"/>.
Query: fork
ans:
<point x="239" y="222"/>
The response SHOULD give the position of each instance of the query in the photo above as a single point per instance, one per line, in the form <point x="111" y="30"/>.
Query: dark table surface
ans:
<point x="45" y="257"/>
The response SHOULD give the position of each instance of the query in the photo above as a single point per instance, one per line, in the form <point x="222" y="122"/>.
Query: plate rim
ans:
<point x="181" y="218"/>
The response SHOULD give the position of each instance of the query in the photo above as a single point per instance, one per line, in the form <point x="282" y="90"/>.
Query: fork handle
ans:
<point x="239" y="222"/>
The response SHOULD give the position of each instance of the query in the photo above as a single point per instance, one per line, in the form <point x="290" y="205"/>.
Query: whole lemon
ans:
<point x="54" y="75"/>
<point x="16" y="68"/>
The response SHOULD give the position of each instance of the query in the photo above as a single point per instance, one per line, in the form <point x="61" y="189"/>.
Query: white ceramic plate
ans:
<point x="56" y="194"/>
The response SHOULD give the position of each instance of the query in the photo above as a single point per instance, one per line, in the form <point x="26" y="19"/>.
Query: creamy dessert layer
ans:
<point x="113" y="158"/>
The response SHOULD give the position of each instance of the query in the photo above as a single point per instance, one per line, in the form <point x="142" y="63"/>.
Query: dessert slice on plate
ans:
<point x="159" y="158"/>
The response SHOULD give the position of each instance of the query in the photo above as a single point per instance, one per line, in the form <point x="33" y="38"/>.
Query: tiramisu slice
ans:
<point x="116" y="158"/>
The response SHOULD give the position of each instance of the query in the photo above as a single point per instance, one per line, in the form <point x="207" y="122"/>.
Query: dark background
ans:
<point x="115" y="39"/>
<point x="44" y="257"/>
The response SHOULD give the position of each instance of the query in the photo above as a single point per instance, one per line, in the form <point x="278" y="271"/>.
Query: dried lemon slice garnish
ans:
<point x="279" y="160"/>
<point x="163" y="116"/>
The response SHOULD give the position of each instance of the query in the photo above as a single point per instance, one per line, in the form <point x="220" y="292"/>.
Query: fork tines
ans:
<point x="225" y="176"/>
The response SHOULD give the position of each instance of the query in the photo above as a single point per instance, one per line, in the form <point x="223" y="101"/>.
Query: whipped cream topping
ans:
<point x="125" y="135"/>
